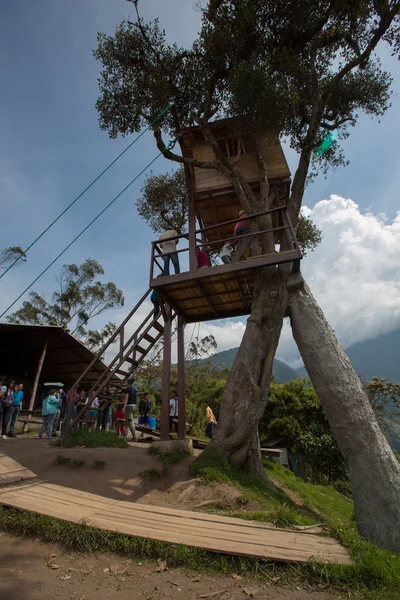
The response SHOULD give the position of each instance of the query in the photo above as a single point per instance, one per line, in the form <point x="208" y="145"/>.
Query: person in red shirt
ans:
<point x="203" y="260"/>
<point x="241" y="227"/>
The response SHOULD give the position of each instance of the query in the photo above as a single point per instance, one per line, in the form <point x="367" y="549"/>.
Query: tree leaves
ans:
<point x="78" y="299"/>
<point x="164" y="201"/>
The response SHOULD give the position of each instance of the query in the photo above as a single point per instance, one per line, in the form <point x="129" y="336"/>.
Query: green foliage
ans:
<point x="91" y="439"/>
<point x="150" y="474"/>
<point x="385" y="400"/>
<point x="212" y="466"/>
<point x="294" y="415"/>
<point x="297" y="67"/>
<point x="9" y="255"/>
<point x="164" y="201"/>
<point x="79" y="299"/>
<point x="308" y="235"/>
<point x="167" y="459"/>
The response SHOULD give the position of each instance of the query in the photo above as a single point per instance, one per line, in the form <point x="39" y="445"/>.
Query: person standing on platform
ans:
<point x="241" y="227"/>
<point x="129" y="408"/>
<point x="203" y="260"/>
<point x="168" y="249"/>
<point x="211" y="421"/>
<point x="226" y="254"/>
<point x="173" y="410"/>
<point x="15" y="408"/>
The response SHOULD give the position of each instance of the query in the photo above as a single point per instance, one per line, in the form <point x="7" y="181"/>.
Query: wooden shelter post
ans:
<point x="166" y="374"/>
<point x="37" y="376"/>
<point x="181" y="380"/>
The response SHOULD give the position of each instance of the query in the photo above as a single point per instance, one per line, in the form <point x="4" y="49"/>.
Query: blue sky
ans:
<point x="51" y="146"/>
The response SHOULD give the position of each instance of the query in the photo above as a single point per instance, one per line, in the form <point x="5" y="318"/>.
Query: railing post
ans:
<point x="181" y="381"/>
<point x="166" y="376"/>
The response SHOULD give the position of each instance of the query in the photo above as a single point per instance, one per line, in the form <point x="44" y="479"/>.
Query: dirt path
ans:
<point x="119" y="478"/>
<point x="26" y="574"/>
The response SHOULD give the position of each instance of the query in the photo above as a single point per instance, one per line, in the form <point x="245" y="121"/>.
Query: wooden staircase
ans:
<point x="131" y="352"/>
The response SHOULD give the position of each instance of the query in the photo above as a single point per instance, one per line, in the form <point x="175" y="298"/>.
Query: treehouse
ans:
<point x="202" y="292"/>
<point x="224" y="290"/>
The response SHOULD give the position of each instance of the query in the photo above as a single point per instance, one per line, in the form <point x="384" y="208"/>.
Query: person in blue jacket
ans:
<point x="49" y="411"/>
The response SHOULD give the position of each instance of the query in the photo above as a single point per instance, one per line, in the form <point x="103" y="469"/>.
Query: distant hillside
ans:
<point x="379" y="357"/>
<point x="224" y="360"/>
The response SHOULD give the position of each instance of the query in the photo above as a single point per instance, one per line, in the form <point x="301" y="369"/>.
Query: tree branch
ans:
<point x="175" y="157"/>
<point x="387" y="17"/>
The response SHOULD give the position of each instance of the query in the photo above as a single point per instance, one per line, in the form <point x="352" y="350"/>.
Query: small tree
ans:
<point x="78" y="299"/>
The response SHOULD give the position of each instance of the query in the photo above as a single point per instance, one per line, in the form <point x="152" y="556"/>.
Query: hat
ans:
<point x="241" y="212"/>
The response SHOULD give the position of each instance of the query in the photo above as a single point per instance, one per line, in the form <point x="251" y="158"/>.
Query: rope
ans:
<point x="162" y="113"/>
<point x="170" y="145"/>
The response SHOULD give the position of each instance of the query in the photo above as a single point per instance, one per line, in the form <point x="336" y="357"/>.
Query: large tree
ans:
<point x="299" y="68"/>
<point x="78" y="299"/>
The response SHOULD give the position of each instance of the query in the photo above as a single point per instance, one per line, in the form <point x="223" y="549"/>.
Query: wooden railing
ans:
<point x="286" y="233"/>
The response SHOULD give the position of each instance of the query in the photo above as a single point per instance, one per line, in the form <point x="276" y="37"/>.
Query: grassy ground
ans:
<point x="91" y="439"/>
<point x="376" y="573"/>
<point x="167" y="459"/>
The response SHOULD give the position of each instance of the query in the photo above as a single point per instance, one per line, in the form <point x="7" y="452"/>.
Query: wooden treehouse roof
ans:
<point x="216" y="201"/>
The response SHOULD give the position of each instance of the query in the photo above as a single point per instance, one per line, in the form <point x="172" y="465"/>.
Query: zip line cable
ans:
<point x="170" y="146"/>
<point x="162" y="113"/>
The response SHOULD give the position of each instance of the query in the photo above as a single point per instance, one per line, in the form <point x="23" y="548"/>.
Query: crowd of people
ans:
<point x="59" y="409"/>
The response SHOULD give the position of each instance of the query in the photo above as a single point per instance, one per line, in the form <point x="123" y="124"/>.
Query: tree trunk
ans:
<point x="245" y="395"/>
<point x="374" y="470"/>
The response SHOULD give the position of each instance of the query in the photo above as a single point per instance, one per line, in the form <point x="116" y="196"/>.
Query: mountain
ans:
<point x="379" y="357"/>
<point x="224" y="360"/>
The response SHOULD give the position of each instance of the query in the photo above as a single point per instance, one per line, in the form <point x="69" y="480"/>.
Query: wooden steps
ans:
<point x="214" y="533"/>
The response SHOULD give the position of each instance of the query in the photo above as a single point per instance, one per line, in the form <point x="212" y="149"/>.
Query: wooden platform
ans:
<point x="218" y="292"/>
<point x="214" y="533"/>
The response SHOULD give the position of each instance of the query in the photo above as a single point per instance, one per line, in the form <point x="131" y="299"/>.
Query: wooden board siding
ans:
<point x="214" y="533"/>
<point x="210" y="179"/>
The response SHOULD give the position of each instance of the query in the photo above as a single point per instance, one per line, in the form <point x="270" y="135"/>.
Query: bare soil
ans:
<point x="32" y="570"/>
<point x="119" y="479"/>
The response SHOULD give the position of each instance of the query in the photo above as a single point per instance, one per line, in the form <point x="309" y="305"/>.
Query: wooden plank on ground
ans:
<point x="215" y="533"/>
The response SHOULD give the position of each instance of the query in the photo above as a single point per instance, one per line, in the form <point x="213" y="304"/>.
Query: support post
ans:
<point x="37" y="376"/>
<point x="191" y="224"/>
<point x="181" y="380"/>
<point x="166" y="375"/>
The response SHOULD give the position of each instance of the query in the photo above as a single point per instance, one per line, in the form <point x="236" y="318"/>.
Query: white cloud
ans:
<point x="355" y="272"/>
<point x="354" y="275"/>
